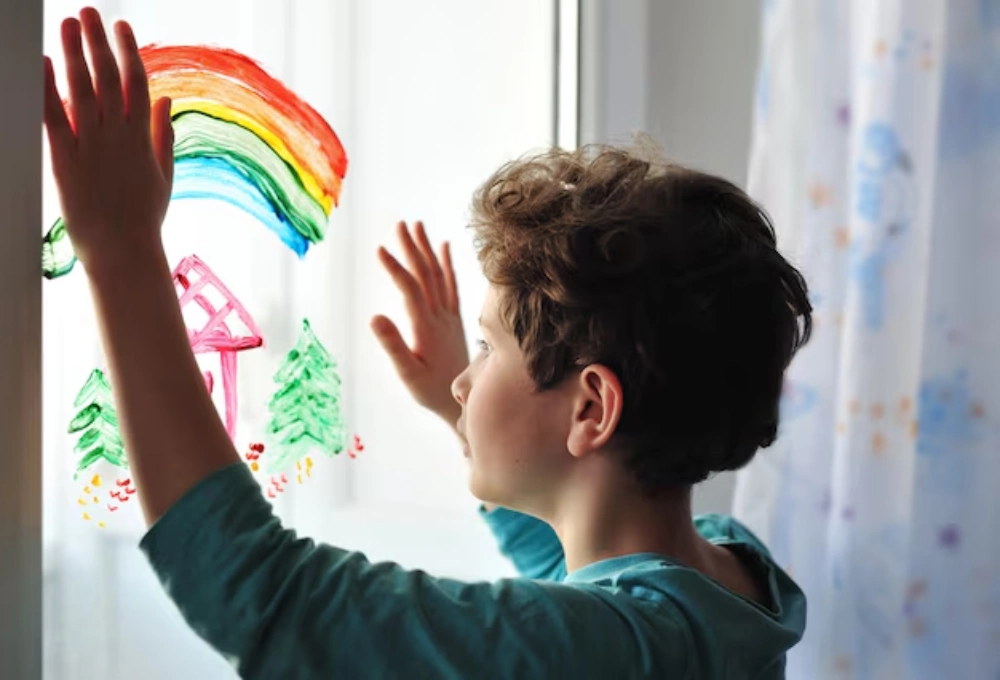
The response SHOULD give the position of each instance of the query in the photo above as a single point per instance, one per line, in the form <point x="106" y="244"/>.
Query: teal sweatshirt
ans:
<point x="281" y="607"/>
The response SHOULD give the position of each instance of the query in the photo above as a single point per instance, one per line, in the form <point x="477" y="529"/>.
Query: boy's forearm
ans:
<point x="172" y="433"/>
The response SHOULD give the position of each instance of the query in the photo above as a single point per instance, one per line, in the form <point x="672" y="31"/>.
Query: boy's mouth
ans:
<point x="465" y="442"/>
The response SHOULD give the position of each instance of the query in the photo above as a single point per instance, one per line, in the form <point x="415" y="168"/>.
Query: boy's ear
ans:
<point x="597" y="409"/>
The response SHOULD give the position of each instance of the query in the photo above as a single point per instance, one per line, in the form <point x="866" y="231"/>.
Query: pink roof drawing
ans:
<point x="195" y="281"/>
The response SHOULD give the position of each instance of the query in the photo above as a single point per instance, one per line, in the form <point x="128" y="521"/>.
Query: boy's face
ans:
<point x="515" y="435"/>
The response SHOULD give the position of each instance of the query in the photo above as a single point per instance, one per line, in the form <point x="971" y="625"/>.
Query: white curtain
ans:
<point x="427" y="98"/>
<point x="877" y="152"/>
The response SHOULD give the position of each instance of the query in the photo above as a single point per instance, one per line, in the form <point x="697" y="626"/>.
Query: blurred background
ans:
<point x="868" y="129"/>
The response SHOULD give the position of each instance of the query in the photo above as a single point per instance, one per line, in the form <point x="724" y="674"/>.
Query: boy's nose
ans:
<point x="460" y="387"/>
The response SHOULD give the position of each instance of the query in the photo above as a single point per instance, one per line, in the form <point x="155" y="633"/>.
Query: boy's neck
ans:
<point x="598" y="523"/>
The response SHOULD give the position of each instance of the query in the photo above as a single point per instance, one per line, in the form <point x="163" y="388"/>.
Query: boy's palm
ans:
<point x="439" y="351"/>
<point x="114" y="163"/>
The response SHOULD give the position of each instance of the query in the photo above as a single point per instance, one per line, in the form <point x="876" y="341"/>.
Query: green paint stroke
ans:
<point x="97" y="422"/>
<point x="57" y="252"/>
<point x="199" y="136"/>
<point x="306" y="414"/>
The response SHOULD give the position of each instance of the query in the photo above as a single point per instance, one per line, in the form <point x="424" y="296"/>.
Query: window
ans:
<point x="428" y="99"/>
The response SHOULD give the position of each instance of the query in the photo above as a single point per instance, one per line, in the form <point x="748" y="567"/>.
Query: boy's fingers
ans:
<point x="134" y="80"/>
<point x="57" y="124"/>
<point x="81" y="89"/>
<point x="416" y="305"/>
<point x="416" y="262"/>
<point x="392" y="342"/>
<point x="450" y="285"/>
<point x="436" y="278"/>
<point x="106" y="76"/>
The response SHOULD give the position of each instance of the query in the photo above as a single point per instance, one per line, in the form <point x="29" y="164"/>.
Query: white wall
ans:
<point x="20" y="335"/>
<point x="682" y="70"/>
<point x="702" y="67"/>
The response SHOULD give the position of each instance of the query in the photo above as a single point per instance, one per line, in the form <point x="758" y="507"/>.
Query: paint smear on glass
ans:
<point x="102" y="466"/>
<point x="57" y="253"/>
<point x="227" y="330"/>
<point x="275" y="483"/>
<point x="96" y="423"/>
<point x="306" y="411"/>
<point x="242" y="137"/>
<point x="119" y="491"/>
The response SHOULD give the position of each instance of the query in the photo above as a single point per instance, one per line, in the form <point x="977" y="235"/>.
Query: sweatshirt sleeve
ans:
<point x="528" y="542"/>
<point x="279" y="606"/>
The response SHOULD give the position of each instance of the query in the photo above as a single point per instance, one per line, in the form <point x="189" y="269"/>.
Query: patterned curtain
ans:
<point x="877" y="152"/>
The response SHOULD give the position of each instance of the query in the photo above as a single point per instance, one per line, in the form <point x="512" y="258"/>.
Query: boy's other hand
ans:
<point x="439" y="351"/>
<point x="113" y="164"/>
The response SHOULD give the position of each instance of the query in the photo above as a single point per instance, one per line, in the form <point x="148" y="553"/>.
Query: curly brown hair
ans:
<point x="668" y="276"/>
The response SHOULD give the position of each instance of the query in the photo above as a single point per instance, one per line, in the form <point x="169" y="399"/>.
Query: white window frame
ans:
<point x="20" y="341"/>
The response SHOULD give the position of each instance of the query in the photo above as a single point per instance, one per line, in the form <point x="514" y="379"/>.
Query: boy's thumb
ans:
<point x="394" y="345"/>
<point x="163" y="137"/>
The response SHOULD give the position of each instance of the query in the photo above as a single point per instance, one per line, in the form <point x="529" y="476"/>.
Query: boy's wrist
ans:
<point x="120" y="267"/>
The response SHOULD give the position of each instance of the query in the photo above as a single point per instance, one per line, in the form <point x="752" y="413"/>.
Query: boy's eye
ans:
<point x="483" y="345"/>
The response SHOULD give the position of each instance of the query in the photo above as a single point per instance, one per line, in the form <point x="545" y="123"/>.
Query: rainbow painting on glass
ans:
<point x="241" y="137"/>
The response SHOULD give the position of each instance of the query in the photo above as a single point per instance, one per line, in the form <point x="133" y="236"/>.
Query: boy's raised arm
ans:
<point x="277" y="606"/>
<point x="113" y="166"/>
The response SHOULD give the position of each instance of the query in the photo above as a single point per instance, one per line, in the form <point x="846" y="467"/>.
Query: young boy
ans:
<point x="636" y="331"/>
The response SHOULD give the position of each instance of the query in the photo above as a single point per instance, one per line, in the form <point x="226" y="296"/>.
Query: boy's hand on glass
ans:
<point x="439" y="351"/>
<point x="113" y="164"/>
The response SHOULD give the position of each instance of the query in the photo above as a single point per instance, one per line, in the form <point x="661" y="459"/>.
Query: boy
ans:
<point x="636" y="331"/>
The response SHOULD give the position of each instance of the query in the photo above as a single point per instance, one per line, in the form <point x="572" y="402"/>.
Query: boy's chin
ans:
<point x="480" y="489"/>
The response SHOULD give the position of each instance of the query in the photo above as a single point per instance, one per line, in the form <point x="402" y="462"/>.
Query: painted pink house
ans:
<point x="197" y="284"/>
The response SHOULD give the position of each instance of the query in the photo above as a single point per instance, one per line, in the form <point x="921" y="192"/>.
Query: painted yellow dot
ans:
<point x="299" y="477"/>
<point x="86" y="516"/>
<point x="96" y="481"/>
<point x="309" y="462"/>
<point x="86" y="490"/>
<point x="97" y="500"/>
<point x="298" y="465"/>
<point x="81" y="501"/>
<point x="102" y="525"/>
<point x="254" y="466"/>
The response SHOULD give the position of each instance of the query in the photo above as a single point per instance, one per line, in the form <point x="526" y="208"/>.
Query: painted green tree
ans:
<point x="306" y="413"/>
<point x="57" y="252"/>
<point x="96" y="422"/>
